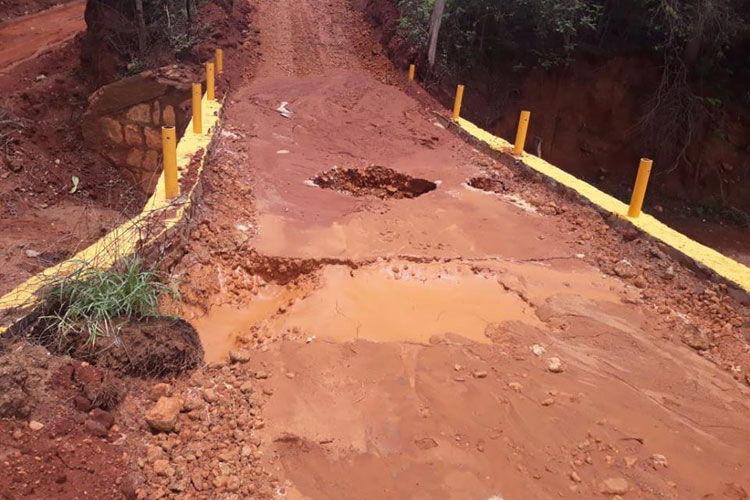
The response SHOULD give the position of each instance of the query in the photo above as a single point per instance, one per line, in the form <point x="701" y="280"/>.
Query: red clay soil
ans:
<point x="10" y="9"/>
<point x="26" y="37"/>
<point x="42" y="150"/>
<point x="490" y="339"/>
<point x="58" y="439"/>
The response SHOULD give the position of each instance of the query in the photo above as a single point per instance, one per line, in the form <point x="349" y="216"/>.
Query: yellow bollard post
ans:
<point x="523" y="128"/>
<point x="219" y="61"/>
<point x="197" y="109"/>
<point x="210" y="95"/>
<point x="639" y="190"/>
<point x="169" y="153"/>
<point x="457" y="103"/>
<point x="412" y="70"/>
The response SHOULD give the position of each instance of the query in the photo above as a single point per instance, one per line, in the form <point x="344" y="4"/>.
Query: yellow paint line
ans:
<point x="124" y="239"/>
<point x="721" y="264"/>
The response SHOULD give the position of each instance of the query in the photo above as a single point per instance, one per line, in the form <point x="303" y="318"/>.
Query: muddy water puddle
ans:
<point x="399" y="301"/>
<point x="403" y="301"/>
<point x="223" y="325"/>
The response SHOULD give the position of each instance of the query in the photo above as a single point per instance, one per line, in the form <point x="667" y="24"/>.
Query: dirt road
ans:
<point x="26" y="37"/>
<point x="458" y="333"/>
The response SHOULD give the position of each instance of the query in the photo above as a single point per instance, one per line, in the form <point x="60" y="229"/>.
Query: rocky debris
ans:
<point x="555" y="365"/>
<point x="516" y="386"/>
<point x="162" y="417"/>
<point x="624" y="269"/>
<point x="613" y="486"/>
<point x="214" y="452"/>
<point x="479" y="373"/>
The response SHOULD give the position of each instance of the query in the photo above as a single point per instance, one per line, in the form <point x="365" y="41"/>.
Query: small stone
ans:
<point x="624" y="269"/>
<point x="669" y="273"/>
<point x="105" y="418"/>
<point x="457" y="367"/>
<point x="95" y="428"/>
<point x="240" y="356"/>
<point x="210" y="396"/>
<point x="82" y="403"/>
<point x="160" y="390"/>
<point x="575" y="477"/>
<point x="163" y="416"/>
<point x="192" y="402"/>
<point x="17" y="434"/>
<point x="630" y="462"/>
<point x="696" y="338"/>
<point x="554" y="365"/>
<point x="479" y="374"/>
<point x="516" y="386"/>
<point x="36" y="426"/>
<point x="537" y="350"/>
<point x="233" y="483"/>
<point x="640" y="281"/>
<point x="613" y="486"/>
<point x="659" y="460"/>
<point x="548" y="402"/>
<point x="247" y="387"/>
<point x="261" y="375"/>
<point x="32" y="254"/>
<point x="162" y="468"/>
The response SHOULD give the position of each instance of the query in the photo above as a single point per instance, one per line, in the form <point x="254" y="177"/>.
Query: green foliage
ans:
<point x="136" y="66"/>
<point x="95" y="303"/>
<point x="718" y="209"/>
<point x="530" y="32"/>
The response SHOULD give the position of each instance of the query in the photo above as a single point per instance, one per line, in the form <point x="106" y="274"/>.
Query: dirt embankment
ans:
<point x="56" y="197"/>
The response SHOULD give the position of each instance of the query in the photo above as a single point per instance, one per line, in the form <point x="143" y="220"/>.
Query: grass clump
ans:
<point x="91" y="304"/>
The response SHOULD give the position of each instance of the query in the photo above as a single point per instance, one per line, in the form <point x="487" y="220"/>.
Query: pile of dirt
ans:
<point x="378" y="181"/>
<point x="150" y="347"/>
<point x="57" y="428"/>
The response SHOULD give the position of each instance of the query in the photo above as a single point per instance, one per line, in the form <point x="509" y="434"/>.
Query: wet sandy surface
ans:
<point x="409" y="348"/>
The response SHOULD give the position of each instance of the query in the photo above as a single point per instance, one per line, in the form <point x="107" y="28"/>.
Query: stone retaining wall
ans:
<point x="124" y="119"/>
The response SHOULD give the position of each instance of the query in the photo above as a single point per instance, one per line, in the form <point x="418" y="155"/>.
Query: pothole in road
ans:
<point x="377" y="181"/>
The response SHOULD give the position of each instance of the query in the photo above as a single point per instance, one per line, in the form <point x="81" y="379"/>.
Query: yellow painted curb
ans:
<point x="124" y="239"/>
<point x="720" y="264"/>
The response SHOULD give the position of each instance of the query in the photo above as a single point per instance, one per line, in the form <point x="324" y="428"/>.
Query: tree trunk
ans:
<point x="435" y="20"/>
<point x="141" y="27"/>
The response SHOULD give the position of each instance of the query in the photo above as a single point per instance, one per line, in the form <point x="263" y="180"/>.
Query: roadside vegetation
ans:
<point x="91" y="304"/>
<point x="701" y="46"/>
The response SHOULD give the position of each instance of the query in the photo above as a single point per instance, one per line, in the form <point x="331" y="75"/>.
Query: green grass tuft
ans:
<point x="94" y="304"/>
